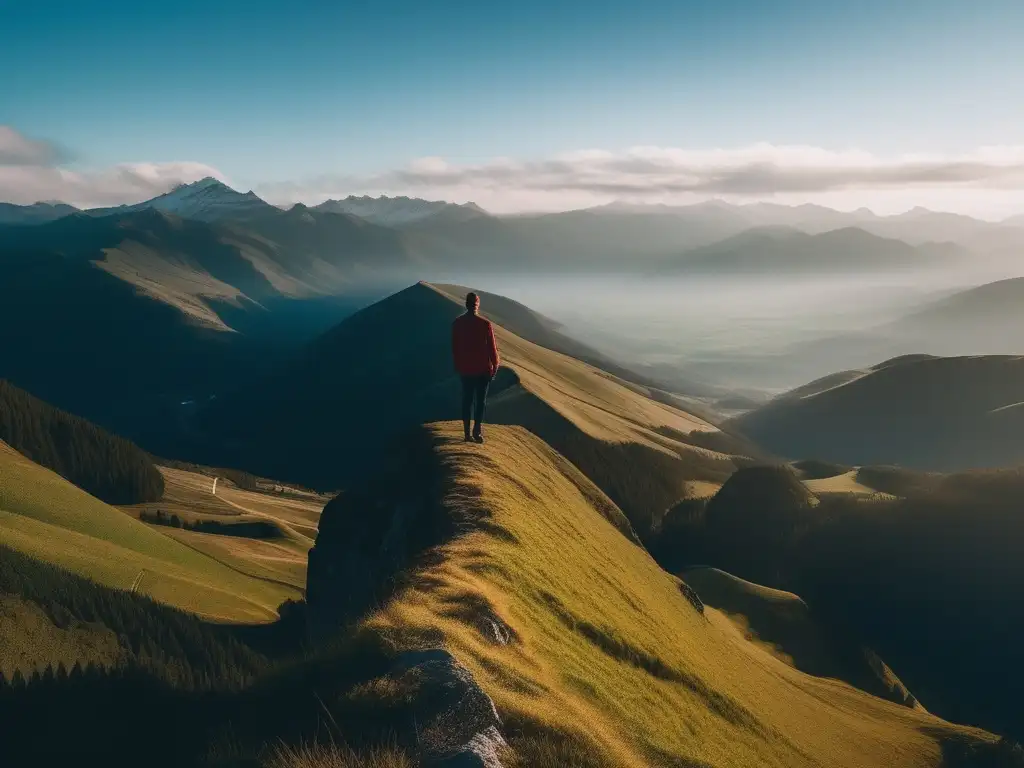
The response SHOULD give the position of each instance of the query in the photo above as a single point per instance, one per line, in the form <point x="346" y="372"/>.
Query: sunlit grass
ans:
<point x="608" y="648"/>
<point x="44" y="516"/>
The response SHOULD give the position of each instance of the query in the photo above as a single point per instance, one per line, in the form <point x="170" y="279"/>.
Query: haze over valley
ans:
<point x="540" y="387"/>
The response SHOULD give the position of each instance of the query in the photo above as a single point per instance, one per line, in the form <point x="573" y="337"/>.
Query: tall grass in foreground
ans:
<point x="333" y="756"/>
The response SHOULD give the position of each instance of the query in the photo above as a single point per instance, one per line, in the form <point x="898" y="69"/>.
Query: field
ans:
<point x="606" y="647"/>
<point x="847" y="482"/>
<point x="44" y="516"/>
<point x="280" y="558"/>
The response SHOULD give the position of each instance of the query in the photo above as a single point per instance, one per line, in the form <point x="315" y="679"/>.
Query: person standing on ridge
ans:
<point x="476" y="361"/>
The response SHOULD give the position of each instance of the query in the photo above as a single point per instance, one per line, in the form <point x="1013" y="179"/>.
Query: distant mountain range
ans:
<point x="37" y="213"/>
<point x="618" y="225"/>
<point x="402" y="211"/>
<point x="213" y="273"/>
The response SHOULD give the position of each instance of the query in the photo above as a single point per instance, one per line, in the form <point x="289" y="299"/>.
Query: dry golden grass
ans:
<point x="608" y="649"/>
<point x="598" y="403"/>
<point x="46" y="517"/>
<point x="327" y="756"/>
<point x="844" y="483"/>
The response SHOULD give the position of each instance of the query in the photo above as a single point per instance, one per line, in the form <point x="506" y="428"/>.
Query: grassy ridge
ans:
<point x="334" y="413"/>
<point x="605" y="645"/>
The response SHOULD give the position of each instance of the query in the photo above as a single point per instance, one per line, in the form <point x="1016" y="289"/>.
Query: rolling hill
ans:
<point x="984" y="319"/>
<point x="940" y="413"/>
<point x="514" y="564"/>
<point x="44" y="516"/>
<point x="325" y="418"/>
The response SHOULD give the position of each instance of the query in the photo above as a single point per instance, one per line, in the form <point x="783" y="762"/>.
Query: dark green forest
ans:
<point x="109" y="467"/>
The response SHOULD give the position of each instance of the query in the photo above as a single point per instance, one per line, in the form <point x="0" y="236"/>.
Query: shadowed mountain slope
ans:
<point x="326" y="417"/>
<point x="917" y="411"/>
<point x="109" y="467"/>
<point x="985" y="320"/>
<point x="163" y="309"/>
<point x="499" y="555"/>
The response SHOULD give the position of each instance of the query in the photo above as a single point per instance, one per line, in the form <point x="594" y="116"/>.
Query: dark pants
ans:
<point x="474" y="388"/>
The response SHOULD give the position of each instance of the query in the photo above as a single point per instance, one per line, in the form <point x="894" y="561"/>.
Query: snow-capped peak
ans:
<point x="208" y="199"/>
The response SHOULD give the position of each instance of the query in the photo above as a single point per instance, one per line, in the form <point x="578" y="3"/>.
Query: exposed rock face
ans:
<point x="370" y="536"/>
<point x="457" y="723"/>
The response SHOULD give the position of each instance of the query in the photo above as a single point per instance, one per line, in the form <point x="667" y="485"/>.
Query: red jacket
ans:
<point x="473" y="347"/>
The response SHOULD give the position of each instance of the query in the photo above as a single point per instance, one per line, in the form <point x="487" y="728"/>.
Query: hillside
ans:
<point x="940" y="413"/>
<point x="44" y="516"/>
<point x="983" y="319"/>
<point x="781" y="250"/>
<point x="573" y="630"/>
<point x="783" y="624"/>
<point x="109" y="467"/>
<point x="163" y="310"/>
<point x="327" y="417"/>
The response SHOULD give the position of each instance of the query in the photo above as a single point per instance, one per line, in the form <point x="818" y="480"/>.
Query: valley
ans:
<point x="255" y="516"/>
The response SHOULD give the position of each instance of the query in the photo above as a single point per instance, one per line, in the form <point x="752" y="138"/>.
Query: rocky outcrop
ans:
<point x="457" y="724"/>
<point x="370" y="536"/>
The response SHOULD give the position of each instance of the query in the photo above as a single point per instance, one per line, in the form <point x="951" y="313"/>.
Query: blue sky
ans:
<point x="307" y="98"/>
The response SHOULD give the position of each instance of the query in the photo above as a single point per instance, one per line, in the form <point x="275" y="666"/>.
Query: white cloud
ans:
<point x="988" y="181"/>
<point x="16" y="149"/>
<point x="755" y="171"/>
<point x="974" y="180"/>
<point x="30" y="171"/>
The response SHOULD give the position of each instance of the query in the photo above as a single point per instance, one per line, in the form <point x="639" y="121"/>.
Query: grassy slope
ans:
<point x="282" y="559"/>
<point x="610" y="649"/>
<point x="44" y="516"/>
<point x="782" y="623"/>
<point x="939" y="413"/>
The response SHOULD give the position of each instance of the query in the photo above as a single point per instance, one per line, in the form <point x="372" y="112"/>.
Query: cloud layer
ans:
<point x="31" y="170"/>
<point x="758" y="172"/>
<point x="985" y="179"/>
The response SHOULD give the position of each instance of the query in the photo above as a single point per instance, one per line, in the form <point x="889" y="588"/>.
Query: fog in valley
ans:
<point x="758" y="334"/>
